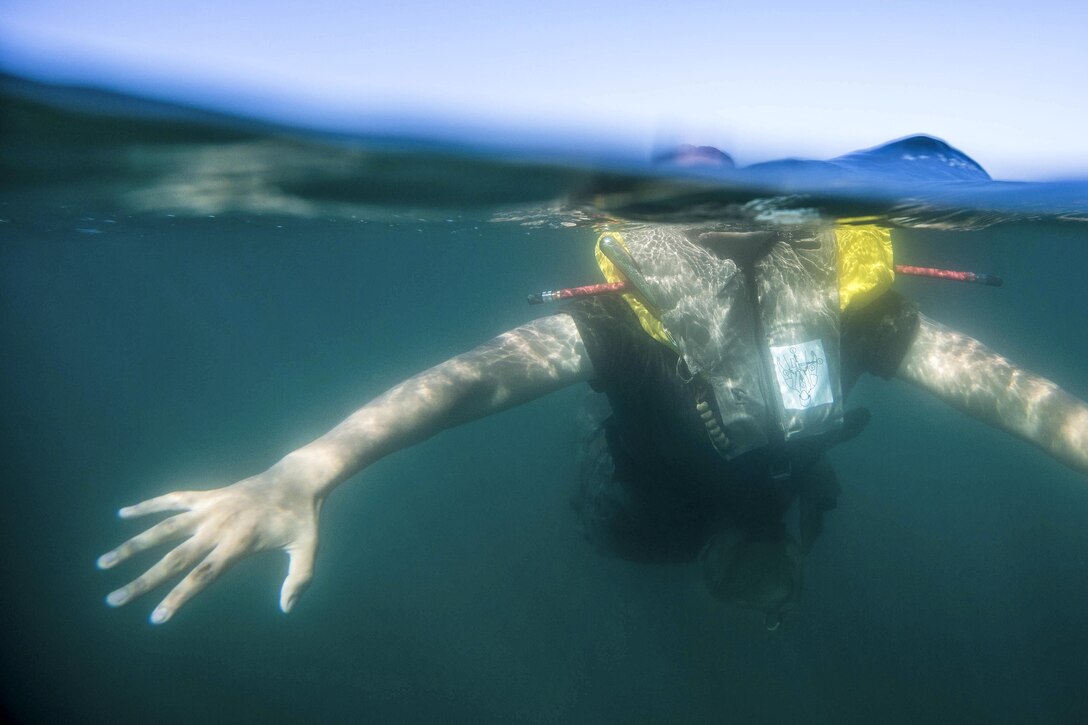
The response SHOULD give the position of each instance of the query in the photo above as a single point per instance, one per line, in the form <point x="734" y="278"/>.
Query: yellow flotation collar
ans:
<point x="649" y="321"/>
<point x="865" y="263"/>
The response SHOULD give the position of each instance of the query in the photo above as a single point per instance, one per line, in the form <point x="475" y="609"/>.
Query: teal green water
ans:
<point x="144" y="353"/>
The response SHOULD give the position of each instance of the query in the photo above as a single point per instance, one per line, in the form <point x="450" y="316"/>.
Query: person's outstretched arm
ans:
<point x="278" y="509"/>
<point x="967" y="375"/>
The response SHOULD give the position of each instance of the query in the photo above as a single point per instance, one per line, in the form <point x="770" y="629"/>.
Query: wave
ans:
<point x="79" y="146"/>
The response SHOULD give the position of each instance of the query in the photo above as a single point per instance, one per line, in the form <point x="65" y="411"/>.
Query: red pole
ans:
<point x="987" y="279"/>
<point x="571" y="292"/>
<point x="614" y="287"/>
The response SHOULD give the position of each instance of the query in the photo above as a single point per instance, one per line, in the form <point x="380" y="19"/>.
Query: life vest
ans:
<point x="756" y="315"/>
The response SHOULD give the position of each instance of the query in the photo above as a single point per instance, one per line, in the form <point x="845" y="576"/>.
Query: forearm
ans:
<point x="446" y="395"/>
<point x="514" y="368"/>
<point x="967" y="375"/>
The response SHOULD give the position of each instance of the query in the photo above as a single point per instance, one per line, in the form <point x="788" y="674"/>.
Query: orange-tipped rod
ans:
<point x="988" y="279"/>
<point x="616" y="287"/>
<point x="571" y="292"/>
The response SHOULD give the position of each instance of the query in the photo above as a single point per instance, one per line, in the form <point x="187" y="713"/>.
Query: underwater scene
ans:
<point x="185" y="298"/>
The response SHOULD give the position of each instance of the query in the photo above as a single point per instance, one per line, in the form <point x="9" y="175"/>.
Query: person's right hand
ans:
<point x="277" y="509"/>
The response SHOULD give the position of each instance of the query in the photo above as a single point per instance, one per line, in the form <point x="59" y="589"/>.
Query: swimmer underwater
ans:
<point x="726" y="365"/>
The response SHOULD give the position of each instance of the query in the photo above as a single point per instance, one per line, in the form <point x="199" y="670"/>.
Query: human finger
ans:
<point x="300" y="570"/>
<point x="197" y="580"/>
<point x="182" y="556"/>
<point x="176" y="501"/>
<point x="171" y="528"/>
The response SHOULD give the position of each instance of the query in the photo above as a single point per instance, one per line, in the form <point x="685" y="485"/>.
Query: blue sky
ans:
<point x="1004" y="81"/>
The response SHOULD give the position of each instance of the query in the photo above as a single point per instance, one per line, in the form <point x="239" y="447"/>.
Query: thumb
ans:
<point x="300" y="570"/>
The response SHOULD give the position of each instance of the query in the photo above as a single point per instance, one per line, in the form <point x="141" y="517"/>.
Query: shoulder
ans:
<point x="601" y="311"/>
<point x="877" y="335"/>
<point x="612" y="335"/>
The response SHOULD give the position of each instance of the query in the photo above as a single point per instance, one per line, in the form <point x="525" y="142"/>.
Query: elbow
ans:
<point x="467" y="389"/>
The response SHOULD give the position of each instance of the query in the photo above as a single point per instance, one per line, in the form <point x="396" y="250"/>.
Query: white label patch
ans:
<point x="802" y="375"/>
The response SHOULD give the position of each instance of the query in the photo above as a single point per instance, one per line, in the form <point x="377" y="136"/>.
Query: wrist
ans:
<point x="311" y="468"/>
